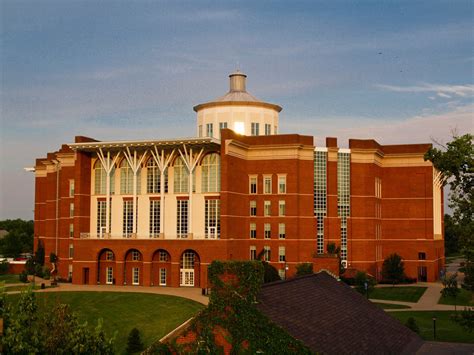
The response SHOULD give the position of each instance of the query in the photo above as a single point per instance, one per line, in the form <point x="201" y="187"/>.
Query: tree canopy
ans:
<point x="19" y="238"/>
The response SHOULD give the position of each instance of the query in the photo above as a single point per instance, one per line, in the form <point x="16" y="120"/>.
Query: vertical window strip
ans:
<point x="320" y="196"/>
<point x="127" y="222"/>
<point x="210" y="180"/>
<point x="343" y="197"/>
<point x="101" y="216"/>
<point x="181" y="177"/>
<point x="155" y="218"/>
<point x="182" y="219"/>
<point x="212" y="219"/>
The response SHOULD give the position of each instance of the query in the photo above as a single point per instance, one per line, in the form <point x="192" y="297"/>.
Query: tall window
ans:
<point x="71" y="209"/>
<point x="281" y="254"/>
<point x="253" y="231"/>
<point x="154" y="218"/>
<point x="71" y="230"/>
<point x="110" y="275"/>
<point x="162" y="277"/>
<point x="267" y="184"/>
<point x="282" y="184"/>
<point x="211" y="173"/>
<point x="153" y="178"/>
<point x="268" y="129"/>
<point x="281" y="231"/>
<point x="71" y="188"/>
<point x="126" y="179"/>
<point x="209" y="130"/>
<point x="101" y="215"/>
<point x="135" y="276"/>
<point x="267" y="230"/>
<point x="100" y="179"/>
<point x="71" y="251"/>
<point x="212" y="219"/>
<point x="127" y="222"/>
<point x="343" y="197"/>
<point x="255" y="128"/>
<point x="181" y="176"/>
<point x="182" y="219"/>
<point x="267" y="255"/>
<point x="253" y="252"/>
<point x="281" y="208"/>
<point x="253" y="184"/>
<point x="267" y="211"/>
<point x="253" y="208"/>
<point x="320" y="195"/>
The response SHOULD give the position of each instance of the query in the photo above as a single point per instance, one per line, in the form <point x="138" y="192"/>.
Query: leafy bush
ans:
<point x="4" y="267"/>
<point x="331" y="248"/>
<point x="39" y="270"/>
<point x="304" y="269"/>
<point x="411" y="323"/>
<point x="393" y="269"/>
<point x="270" y="274"/>
<point x="23" y="276"/>
<point x="46" y="273"/>
<point x="134" y="343"/>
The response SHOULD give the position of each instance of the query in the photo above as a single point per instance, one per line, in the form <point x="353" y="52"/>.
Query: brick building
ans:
<point x="157" y="212"/>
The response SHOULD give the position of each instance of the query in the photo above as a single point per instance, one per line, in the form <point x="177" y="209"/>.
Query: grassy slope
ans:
<point x="153" y="315"/>
<point x="404" y="293"/>
<point x="446" y="329"/>
<point x="464" y="298"/>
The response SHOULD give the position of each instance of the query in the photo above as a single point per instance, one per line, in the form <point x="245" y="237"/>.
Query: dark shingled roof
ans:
<point x="332" y="318"/>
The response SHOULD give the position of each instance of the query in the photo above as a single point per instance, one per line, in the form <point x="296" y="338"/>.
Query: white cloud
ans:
<point x="441" y="90"/>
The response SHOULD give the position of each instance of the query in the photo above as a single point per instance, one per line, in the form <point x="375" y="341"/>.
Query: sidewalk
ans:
<point x="427" y="302"/>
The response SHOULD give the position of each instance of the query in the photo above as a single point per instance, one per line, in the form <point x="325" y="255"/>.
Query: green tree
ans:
<point x="451" y="235"/>
<point x="393" y="269"/>
<point x="304" y="269"/>
<point x="19" y="238"/>
<point x="450" y="287"/>
<point x="455" y="162"/>
<point x="465" y="319"/>
<point x="134" y="343"/>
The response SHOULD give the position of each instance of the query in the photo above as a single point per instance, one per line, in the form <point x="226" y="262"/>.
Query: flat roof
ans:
<point x="167" y="143"/>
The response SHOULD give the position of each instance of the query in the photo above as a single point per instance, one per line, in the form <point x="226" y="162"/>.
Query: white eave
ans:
<point x="168" y="143"/>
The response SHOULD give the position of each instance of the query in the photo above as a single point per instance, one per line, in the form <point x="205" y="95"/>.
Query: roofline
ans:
<point x="144" y="143"/>
<point x="237" y="103"/>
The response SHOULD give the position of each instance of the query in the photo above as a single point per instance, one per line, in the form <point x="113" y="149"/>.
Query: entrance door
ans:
<point x="85" y="275"/>
<point x="422" y="274"/>
<point x="186" y="277"/>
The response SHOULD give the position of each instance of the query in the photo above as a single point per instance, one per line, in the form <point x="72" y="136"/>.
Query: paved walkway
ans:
<point x="185" y="292"/>
<point x="427" y="302"/>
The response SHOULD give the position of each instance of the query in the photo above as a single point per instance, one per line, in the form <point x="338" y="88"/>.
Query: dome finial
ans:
<point x="237" y="81"/>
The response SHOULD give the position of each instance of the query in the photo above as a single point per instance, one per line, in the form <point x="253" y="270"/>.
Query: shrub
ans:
<point x="331" y="248"/>
<point x="30" y="266"/>
<point x="304" y="269"/>
<point x="361" y="279"/>
<point x="393" y="269"/>
<point x="4" y="267"/>
<point x="270" y="273"/>
<point x="23" y="276"/>
<point x="411" y="323"/>
<point x="134" y="343"/>
<point x="46" y="273"/>
<point x="39" y="270"/>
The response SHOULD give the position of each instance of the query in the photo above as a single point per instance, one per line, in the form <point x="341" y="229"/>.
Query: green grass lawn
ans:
<point x="390" y="305"/>
<point x="153" y="315"/>
<point x="10" y="279"/>
<point x="403" y="293"/>
<point x="464" y="298"/>
<point x="446" y="329"/>
<point x="19" y="287"/>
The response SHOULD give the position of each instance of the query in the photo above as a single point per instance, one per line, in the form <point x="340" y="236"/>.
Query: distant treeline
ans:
<point x="19" y="238"/>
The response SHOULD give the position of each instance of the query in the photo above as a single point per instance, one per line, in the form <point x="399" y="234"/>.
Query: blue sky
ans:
<point x="399" y="72"/>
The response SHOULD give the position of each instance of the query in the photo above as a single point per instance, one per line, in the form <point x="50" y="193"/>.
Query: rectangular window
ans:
<point x="268" y="129"/>
<point x="222" y="125"/>
<point x="182" y="219"/>
<point x="267" y="211"/>
<point x="135" y="255"/>
<point x="255" y="129"/>
<point x="421" y="256"/>
<point x="253" y="208"/>
<point x="267" y="184"/>
<point x="281" y="208"/>
<point x="343" y="196"/>
<point x="209" y="130"/>
<point x="253" y="184"/>
<point x="71" y="251"/>
<point x="71" y="188"/>
<point x="69" y="274"/>
<point x="127" y="221"/>
<point x="320" y="194"/>
<point x="101" y="213"/>
<point x="282" y="184"/>
<point x="281" y="231"/>
<point x="109" y="256"/>
<point x="71" y="230"/>
<point x="267" y="255"/>
<point x="253" y="252"/>
<point x="110" y="275"/>
<point x="135" y="276"/>
<point x="212" y="219"/>
<point x="162" y="277"/>
<point x="267" y="230"/>
<point x="200" y="131"/>
<point x="253" y="231"/>
<point x="154" y="218"/>
<point x="281" y="254"/>
<point x="71" y="209"/>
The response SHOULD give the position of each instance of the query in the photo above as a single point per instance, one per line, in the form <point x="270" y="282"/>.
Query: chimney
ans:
<point x="237" y="81"/>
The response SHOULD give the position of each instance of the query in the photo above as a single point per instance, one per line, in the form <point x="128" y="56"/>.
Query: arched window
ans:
<point x="153" y="178"/>
<point x="211" y="171"/>
<point x="187" y="260"/>
<point x="126" y="179"/>
<point x="181" y="176"/>
<point x="100" y="179"/>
